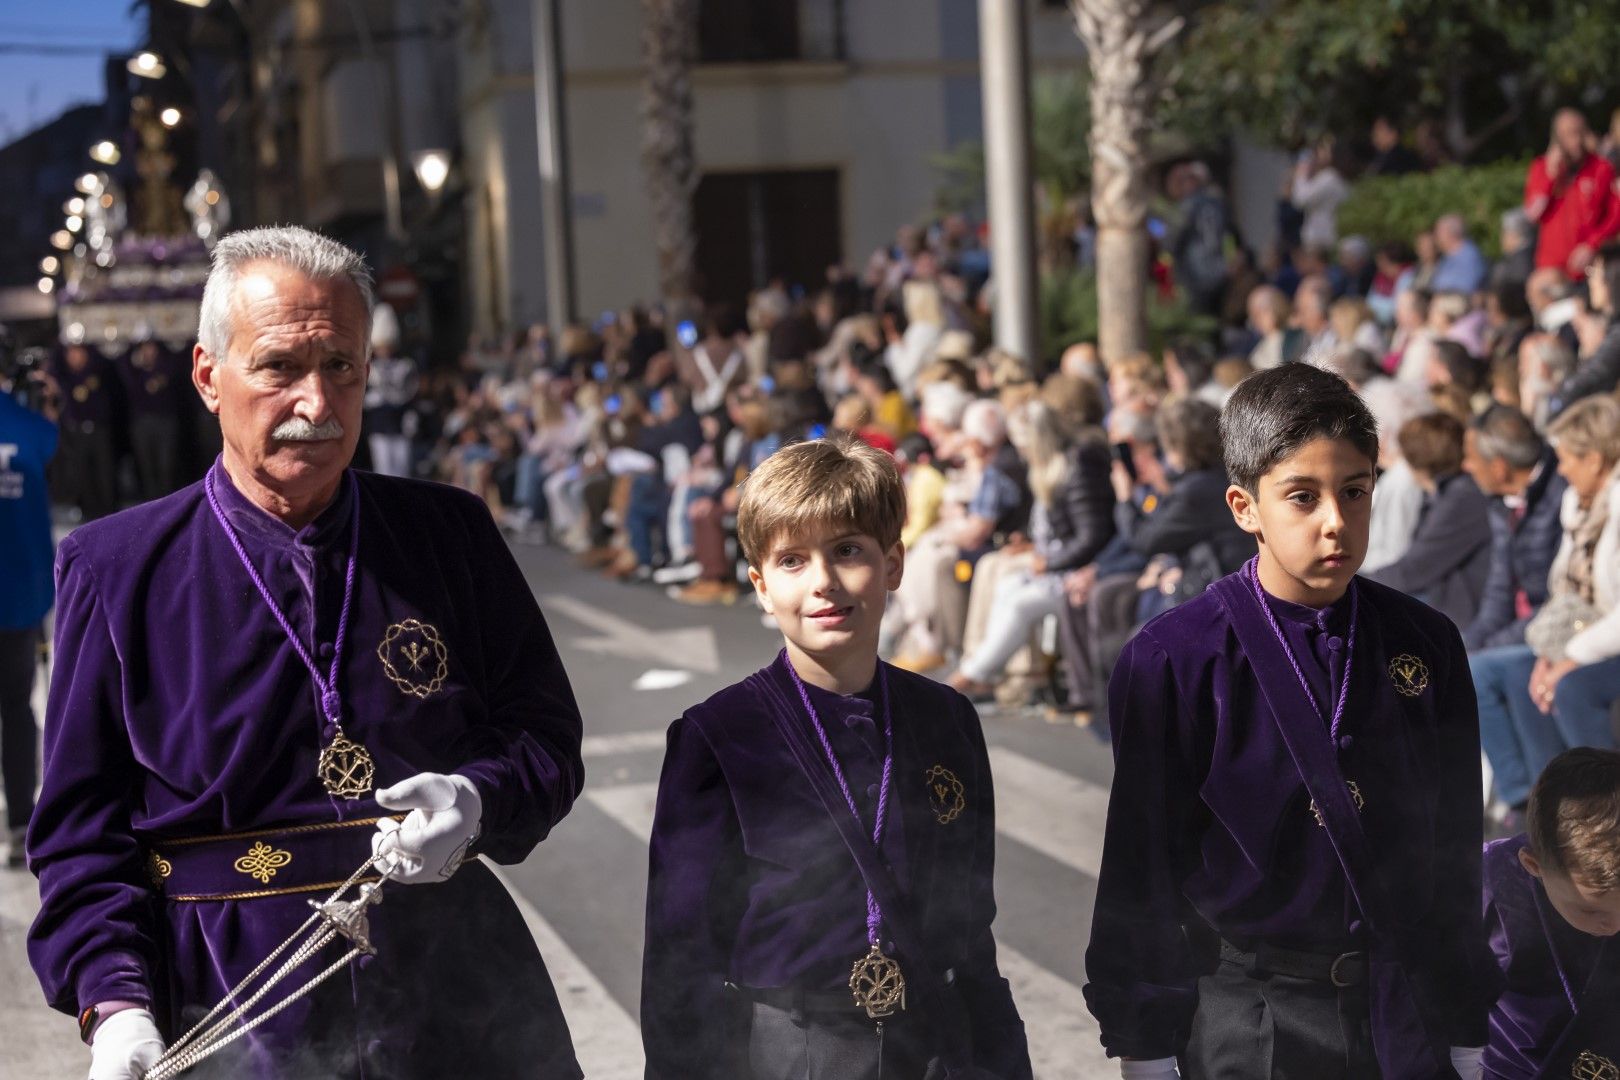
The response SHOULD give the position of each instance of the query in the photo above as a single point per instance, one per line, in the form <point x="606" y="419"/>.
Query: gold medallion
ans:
<point x="1355" y="797"/>
<point x="346" y="768"/>
<point x="946" y="796"/>
<point x="1590" y="1066"/>
<point x="1409" y="674"/>
<point x="878" y="985"/>
<point x="414" y="658"/>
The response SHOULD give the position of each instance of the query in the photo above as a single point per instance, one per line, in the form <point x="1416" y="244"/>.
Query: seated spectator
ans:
<point x="1394" y="276"/>
<point x="1461" y="268"/>
<point x="1408" y="356"/>
<point x="853" y="415"/>
<point x="1271" y="316"/>
<point x="1569" y="667"/>
<point x="1072" y="518"/>
<point x="1136" y="385"/>
<point x="1552" y="299"/>
<point x="890" y="412"/>
<point x="1397" y="498"/>
<point x="1189" y="371"/>
<point x="1446" y="563"/>
<point x="757" y="440"/>
<point x="1312" y="301"/>
<point x="1599" y="370"/>
<point x="1076" y="400"/>
<point x="1354" y="326"/>
<point x="1451" y="365"/>
<point x="911" y="348"/>
<point x="1518" y="259"/>
<point x="1544" y="363"/>
<point x="714" y="366"/>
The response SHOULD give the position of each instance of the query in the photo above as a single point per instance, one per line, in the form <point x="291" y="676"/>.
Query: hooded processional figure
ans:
<point x="271" y="675"/>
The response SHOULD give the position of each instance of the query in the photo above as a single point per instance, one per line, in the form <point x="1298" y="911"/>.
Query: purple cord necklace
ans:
<point x="875" y="980"/>
<point x="1252" y="572"/>
<point x="345" y="768"/>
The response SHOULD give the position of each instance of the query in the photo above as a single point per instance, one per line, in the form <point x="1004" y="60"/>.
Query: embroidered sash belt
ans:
<point x="261" y="863"/>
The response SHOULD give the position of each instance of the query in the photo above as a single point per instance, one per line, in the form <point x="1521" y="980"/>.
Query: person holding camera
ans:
<point x="27" y="443"/>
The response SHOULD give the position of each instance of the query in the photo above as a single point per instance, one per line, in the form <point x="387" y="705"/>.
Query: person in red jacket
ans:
<point x="1570" y="194"/>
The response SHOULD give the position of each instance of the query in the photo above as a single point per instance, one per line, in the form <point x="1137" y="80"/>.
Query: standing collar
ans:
<point x="252" y="520"/>
<point x="1333" y="617"/>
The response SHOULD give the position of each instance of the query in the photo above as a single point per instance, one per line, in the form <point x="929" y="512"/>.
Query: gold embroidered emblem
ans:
<point x="414" y="658"/>
<point x="262" y="861"/>
<point x="946" y="796"/>
<point x="878" y="985"/>
<point x="345" y="767"/>
<point x="1409" y="674"/>
<point x="1355" y="796"/>
<point x="158" y="869"/>
<point x="1590" y="1066"/>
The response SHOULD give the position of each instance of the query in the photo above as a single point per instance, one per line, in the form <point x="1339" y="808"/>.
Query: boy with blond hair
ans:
<point x="820" y="896"/>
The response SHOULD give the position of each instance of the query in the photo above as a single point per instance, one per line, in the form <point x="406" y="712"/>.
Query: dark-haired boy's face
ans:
<point x="1310" y="514"/>
<point x="1591" y="911"/>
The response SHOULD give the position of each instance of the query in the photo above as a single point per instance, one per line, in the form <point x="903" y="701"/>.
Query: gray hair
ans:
<point x="985" y="422"/>
<point x="317" y="257"/>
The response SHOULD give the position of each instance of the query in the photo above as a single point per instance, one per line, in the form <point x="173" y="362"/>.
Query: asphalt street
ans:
<point x="636" y="660"/>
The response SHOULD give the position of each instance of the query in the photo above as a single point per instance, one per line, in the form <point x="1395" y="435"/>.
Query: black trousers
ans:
<point x="155" y="439"/>
<point x="1093" y="635"/>
<point x="85" y="470"/>
<point x="1275" y="1027"/>
<point x="19" y="739"/>
<point x="786" y="1044"/>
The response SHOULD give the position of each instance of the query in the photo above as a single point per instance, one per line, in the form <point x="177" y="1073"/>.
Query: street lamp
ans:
<point x="62" y="240"/>
<point x="89" y="183"/>
<point x="147" y="64"/>
<point x="74" y="205"/>
<point x="170" y="117"/>
<point x="50" y="264"/>
<point x="74" y="223"/>
<point x="106" y="152"/>
<point x="432" y="170"/>
<point x="47" y="285"/>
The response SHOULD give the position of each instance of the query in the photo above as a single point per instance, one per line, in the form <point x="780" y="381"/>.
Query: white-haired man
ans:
<point x="273" y="674"/>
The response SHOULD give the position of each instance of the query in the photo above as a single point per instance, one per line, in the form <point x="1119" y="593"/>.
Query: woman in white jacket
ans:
<point x="1579" y="688"/>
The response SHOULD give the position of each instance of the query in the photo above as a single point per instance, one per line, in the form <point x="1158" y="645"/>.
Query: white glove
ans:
<point x="124" y="1046"/>
<point x="433" y="840"/>
<point x="1157" y="1069"/>
<point x="1469" y="1061"/>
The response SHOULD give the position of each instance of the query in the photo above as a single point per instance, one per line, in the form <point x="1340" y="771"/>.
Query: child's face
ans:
<point x="1591" y="911"/>
<point x="827" y="588"/>
<point x="1310" y="516"/>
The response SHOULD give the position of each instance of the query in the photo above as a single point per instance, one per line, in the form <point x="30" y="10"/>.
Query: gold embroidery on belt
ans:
<point x="257" y="894"/>
<point x="262" y="861"/>
<point x="157" y="869"/>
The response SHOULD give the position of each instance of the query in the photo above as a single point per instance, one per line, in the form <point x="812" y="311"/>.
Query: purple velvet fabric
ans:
<point x="1533" y="1014"/>
<point x="179" y="708"/>
<point x="1210" y="831"/>
<point x="751" y="884"/>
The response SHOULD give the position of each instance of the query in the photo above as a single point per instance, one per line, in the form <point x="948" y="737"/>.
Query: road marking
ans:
<point x="631" y="742"/>
<point x="661" y="679"/>
<point x="607" y="1040"/>
<point x="693" y="648"/>
<point x="1059" y="815"/>
<point x="1063" y="1037"/>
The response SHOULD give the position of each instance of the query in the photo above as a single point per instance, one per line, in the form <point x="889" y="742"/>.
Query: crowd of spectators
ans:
<point x="1052" y="512"/>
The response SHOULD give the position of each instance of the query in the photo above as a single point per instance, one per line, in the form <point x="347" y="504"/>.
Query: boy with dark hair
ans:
<point x="1290" y="876"/>
<point x="821" y="894"/>
<point x="1552" y="904"/>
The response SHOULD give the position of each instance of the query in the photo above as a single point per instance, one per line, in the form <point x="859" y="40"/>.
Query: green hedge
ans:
<point x="1068" y="313"/>
<point x="1394" y="209"/>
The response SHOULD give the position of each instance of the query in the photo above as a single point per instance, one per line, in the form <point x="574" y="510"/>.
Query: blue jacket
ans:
<point x="1521" y="556"/>
<point x="27" y="443"/>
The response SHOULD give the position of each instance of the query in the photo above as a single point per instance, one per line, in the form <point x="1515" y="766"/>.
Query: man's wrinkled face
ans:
<point x="290" y="389"/>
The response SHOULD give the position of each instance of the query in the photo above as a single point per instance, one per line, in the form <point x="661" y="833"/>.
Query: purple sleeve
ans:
<point x="93" y="938"/>
<point x="525" y="760"/>
<point x="1143" y="974"/>
<point x="695" y="896"/>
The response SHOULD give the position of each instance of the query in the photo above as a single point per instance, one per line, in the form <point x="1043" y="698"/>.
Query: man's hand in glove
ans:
<point x="434" y="839"/>
<point x="124" y="1046"/>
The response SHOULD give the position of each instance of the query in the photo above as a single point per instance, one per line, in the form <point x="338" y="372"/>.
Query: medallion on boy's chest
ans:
<point x="947" y="798"/>
<point x="1590" y="1066"/>
<point x="415" y="658"/>
<point x="1410" y="675"/>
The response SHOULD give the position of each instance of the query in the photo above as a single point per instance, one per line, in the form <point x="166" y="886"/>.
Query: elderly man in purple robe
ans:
<point x="273" y="675"/>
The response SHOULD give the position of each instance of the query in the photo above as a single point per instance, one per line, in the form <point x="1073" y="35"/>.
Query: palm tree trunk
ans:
<point x="669" y="49"/>
<point x="1121" y="38"/>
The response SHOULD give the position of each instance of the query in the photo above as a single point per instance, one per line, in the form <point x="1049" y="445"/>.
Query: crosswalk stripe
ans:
<point x="629" y="743"/>
<point x="1062" y="1034"/>
<point x="1048" y="810"/>
<point x="606" y="1040"/>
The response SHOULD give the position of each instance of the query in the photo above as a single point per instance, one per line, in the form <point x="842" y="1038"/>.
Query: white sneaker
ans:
<point x="677" y="575"/>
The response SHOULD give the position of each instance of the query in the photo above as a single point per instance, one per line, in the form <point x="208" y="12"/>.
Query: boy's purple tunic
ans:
<point x="1211" y="832"/>
<point x="751" y="884"/>
<point x="1536" y="1029"/>
<point x="179" y="709"/>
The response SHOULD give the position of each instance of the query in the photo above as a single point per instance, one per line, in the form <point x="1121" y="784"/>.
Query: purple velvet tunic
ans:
<point x="180" y="709"/>
<point x="1211" y="832"/>
<point x="751" y="884"/>
<point x="1533" y="1025"/>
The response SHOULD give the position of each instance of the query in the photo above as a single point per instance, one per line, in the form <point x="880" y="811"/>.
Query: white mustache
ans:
<point x="301" y="430"/>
